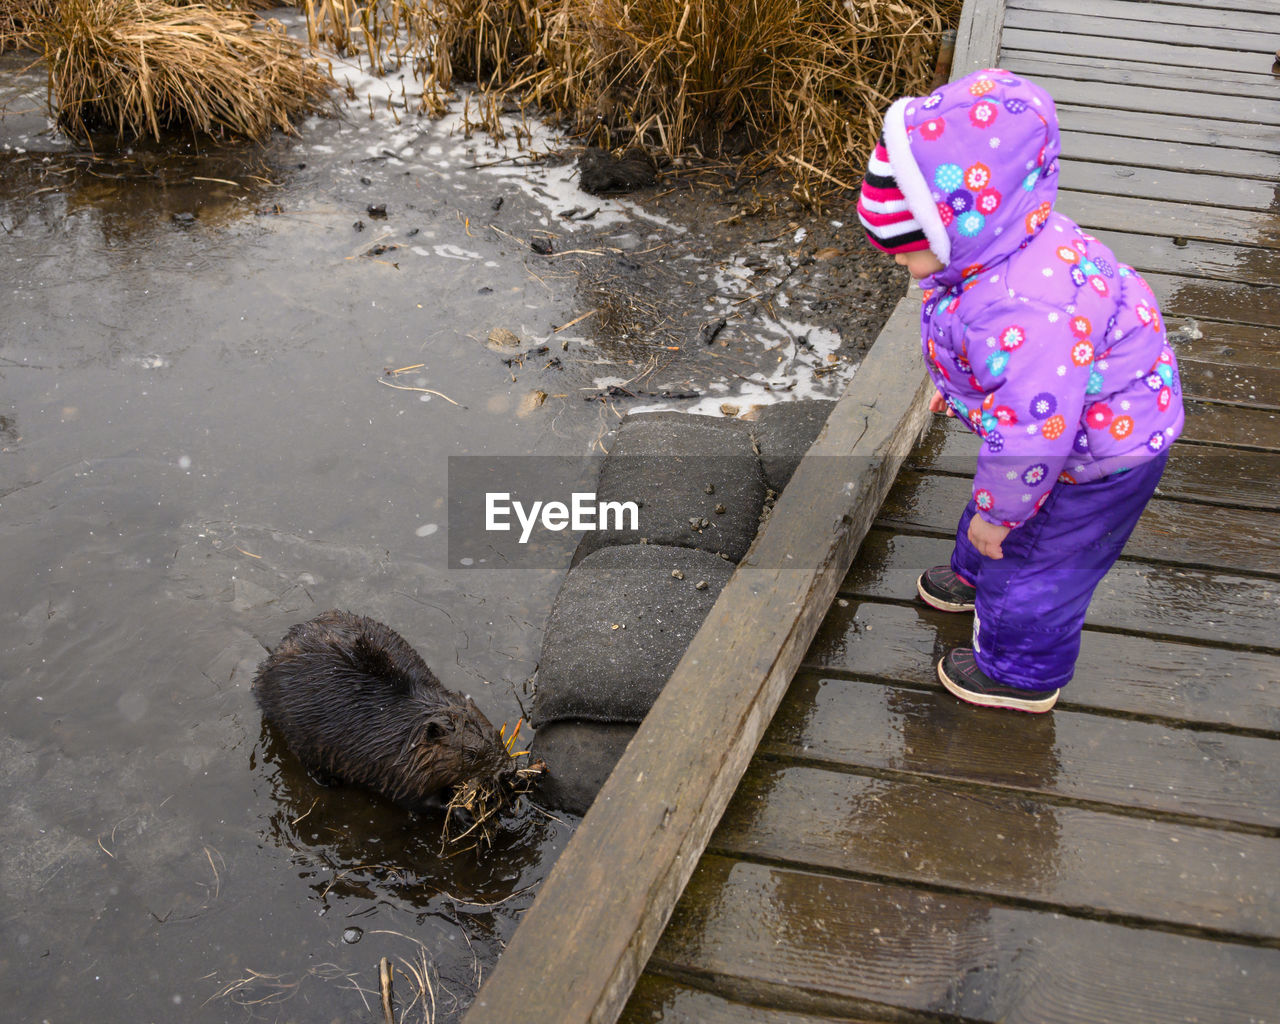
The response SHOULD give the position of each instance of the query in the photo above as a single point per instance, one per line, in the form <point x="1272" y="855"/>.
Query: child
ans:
<point x="1048" y="348"/>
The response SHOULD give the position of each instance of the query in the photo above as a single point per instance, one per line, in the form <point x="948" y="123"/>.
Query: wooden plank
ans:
<point x="1191" y="775"/>
<point x="1173" y="33"/>
<point x="1187" y="258"/>
<point x="1176" y="186"/>
<point x="605" y="902"/>
<point x="1139" y="73"/>
<point x="659" y="1000"/>
<point x="1254" y="386"/>
<point x="1244" y="110"/>
<point x="1177" y="128"/>
<point x="1131" y="675"/>
<point x="1174" y="156"/>
<point x="1158" y="217"/>
<point x="1237" y="344"/>
<point x="1265" y="17"/>
<point x="1057" y="857"/>
<point x="1134" y="597"/>
<point x="977" y="36"/>
<point x="954" y="957"/>
<point x="1255" y="429"/>
<point x="1255" y="304"/>
<point x="1195" y="472"/>
<point x="1172" y="532"/>
<point x="1119" y="47"/>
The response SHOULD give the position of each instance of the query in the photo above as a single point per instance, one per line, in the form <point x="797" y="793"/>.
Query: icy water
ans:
<point x="200" y="445"/>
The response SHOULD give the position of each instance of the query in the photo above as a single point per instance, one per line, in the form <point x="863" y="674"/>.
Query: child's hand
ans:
<point x="938" y="403"/>
<point x="987" y="537"/>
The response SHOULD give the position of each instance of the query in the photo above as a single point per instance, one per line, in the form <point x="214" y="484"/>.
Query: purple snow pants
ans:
<point x="1031" y="603"/>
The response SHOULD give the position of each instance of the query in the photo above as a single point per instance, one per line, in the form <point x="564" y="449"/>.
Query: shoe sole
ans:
<point x="941" y="604"/>
<point x="1036" y="707"/>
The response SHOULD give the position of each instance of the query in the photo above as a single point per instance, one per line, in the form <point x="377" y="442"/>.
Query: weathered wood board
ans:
<point x="1176" y="186"/>
<point x="1255" y="60"/>
<point x="1198" y="776"/>
<point x="1171" y="532"/>
<point x="1140" y="675"/>
<point x="1176" y="220"/>
<point x="1199" y="605"/>
<point x="782" y="933"/>
<point x="1057" y="856"/>
<point x="1241" y="15"/>
<point x="1171" y="127"/>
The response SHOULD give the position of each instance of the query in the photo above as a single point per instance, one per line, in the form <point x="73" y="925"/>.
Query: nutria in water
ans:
<point x="357" y="704"/>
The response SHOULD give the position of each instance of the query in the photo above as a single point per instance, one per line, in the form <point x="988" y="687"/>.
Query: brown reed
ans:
<point x="143" y="67"/>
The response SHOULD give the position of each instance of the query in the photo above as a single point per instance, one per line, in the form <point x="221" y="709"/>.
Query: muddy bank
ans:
<point x="202" y="446"/>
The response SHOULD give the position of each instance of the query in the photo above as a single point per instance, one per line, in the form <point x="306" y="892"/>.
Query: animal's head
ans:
<point x="455" y="744"/>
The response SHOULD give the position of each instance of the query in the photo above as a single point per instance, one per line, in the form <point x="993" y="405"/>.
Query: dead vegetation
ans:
<point x="797" y="84"/>
<point x="135" y="68"/>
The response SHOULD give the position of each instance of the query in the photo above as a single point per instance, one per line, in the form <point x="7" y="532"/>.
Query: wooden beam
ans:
<point x="978" y="36"/>
<point x="585" y="940"/>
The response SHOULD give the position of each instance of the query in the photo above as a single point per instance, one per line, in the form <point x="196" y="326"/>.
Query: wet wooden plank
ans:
<point x="1173" y="127"/>
<point x="603" y="906"/>
<point x="1160" y="217"/>
<point x="1175" y="186"/>
<point x="1257" y="429"/>
<point x="1263" y="17"/>
<point x="659" y="1000"/>
<point x="1185" y="257"/>
<point x="1203" y="473"/>
<point x="938" y="953"/>
<point x="1134" y="597"/>
<point x="1256" y="61"/>
<point x="1131" y="675"/>
<point x="1002" y="844"/>
<point x="1174" y="532"/>
<point x="1046" y="66"/>
<point x="1237" y="344"/>
<point x="1255" y="304"/>
<point x="1257" y="386"/>
<point x="1192" y="775"/>
<point x="1246" y="110"/>
<point x="1174" y="33"/>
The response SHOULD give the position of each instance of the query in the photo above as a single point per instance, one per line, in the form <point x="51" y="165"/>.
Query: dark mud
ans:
<point x="201" y="444"/>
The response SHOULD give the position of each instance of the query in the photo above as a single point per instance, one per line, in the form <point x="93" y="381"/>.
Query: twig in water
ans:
<point x="405" y="387"/>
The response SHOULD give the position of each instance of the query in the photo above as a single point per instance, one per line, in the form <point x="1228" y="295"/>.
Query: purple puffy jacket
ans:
<point x="1042" y="342"/>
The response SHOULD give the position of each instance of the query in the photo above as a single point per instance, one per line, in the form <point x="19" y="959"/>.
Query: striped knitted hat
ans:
<point x="883" y="210"/>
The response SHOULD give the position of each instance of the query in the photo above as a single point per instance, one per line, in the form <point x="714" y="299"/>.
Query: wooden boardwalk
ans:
<point x="890" y="854"/>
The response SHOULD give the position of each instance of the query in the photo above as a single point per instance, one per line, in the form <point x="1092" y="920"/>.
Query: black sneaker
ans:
<point x="941" y="588"/>
<point x="960" y="674"/>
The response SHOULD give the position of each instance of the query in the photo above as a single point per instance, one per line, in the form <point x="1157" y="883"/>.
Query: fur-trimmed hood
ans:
<point x="978" y="163"/>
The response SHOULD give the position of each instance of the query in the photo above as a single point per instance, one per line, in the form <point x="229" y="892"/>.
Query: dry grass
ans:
<point x="796" y="83"/>
<point x="143" y="67"/>
<point x="476" y="803"/>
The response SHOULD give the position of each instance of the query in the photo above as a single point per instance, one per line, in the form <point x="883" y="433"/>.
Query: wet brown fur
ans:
<point x="357" y="704"/>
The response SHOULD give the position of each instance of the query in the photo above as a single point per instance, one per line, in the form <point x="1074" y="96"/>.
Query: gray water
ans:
<point x="199" y="448"/>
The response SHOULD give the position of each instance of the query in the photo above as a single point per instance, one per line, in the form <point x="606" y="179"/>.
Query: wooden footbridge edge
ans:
<point x="584" y="941"/>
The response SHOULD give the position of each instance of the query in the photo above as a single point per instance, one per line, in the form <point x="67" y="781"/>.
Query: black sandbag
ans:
<point x="618" y="628"/>
<point x="784" y="432"/>
<point x="579" y="757"/>
<point x="696" y="479"/>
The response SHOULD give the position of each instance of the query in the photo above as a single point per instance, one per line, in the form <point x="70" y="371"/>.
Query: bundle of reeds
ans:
<point x="799" y="82"/>
<point x="18" y="18"/>
<point x="140" y="67"/>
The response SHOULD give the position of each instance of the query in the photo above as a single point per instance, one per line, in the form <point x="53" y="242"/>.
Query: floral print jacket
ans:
<point x="1045" y="344"/>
